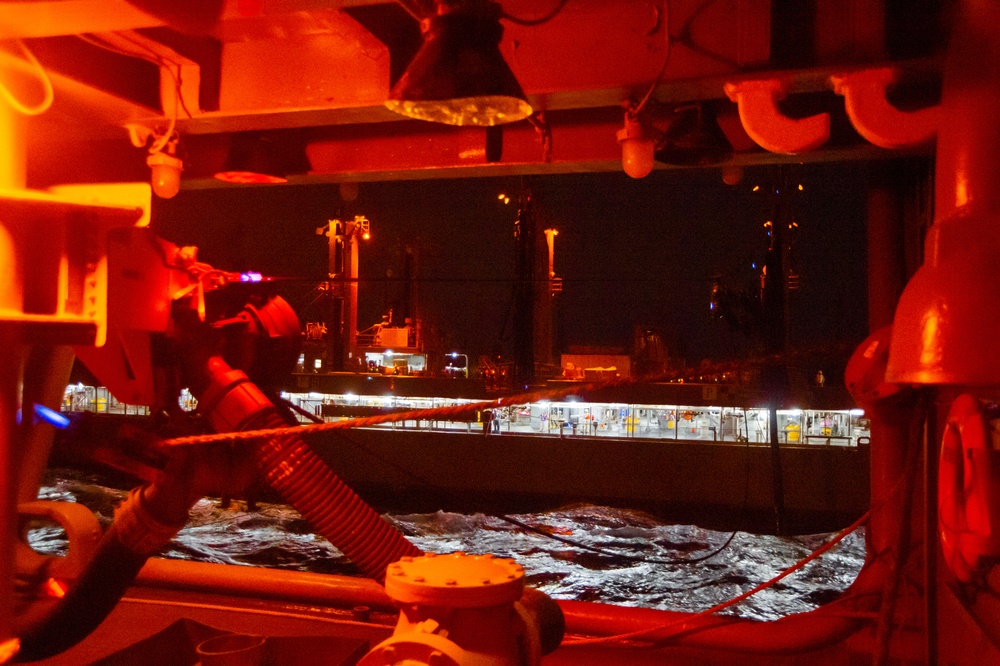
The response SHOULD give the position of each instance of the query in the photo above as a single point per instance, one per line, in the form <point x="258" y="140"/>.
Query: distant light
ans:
<point x="50" y="416"/>
<point x="756" y="188"/>
<point x="501" y="196"/>
<point x="857" y="412"/>
<point x="800" y="187"/>
<point x="318" y="364"/>
<point x="250" y="276"/>
<point x="366" y="235"/>
<point x="55" y="588"/>
<point x="388" y="352"/>
<point x="506" y="200"/>
<point x="453" y="354"/>
<point x="753" y="264"/>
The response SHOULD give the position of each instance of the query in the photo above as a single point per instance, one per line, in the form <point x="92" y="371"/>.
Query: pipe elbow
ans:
<point x="878" y="121"/>
<point x="757" y="102"/>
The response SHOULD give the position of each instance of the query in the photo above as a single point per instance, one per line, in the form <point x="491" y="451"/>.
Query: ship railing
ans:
<point x="98" y="400"/>
<point x="680" y="423"/>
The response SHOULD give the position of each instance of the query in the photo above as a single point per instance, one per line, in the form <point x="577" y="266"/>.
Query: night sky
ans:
<point x="630" y="252"/>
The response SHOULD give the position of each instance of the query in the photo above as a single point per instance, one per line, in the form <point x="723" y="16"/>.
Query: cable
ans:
<point x="634" y="111"/>
<point x="48" y="95"/>
<point x="533" y="22"/>
<point x="145" y="53"/>
<point x="738" y="598"/>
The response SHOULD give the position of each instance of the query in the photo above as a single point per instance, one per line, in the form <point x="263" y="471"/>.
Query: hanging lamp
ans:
<point x="459" y="76"/>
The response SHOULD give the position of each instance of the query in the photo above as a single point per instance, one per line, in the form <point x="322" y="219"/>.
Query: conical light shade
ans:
<point x="260" y="159"/>
<point x="693" y="138"/>
<point x="459" y="76"/>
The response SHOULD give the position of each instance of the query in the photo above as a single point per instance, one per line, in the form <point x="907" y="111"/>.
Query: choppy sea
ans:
<point x="587" y="553"/>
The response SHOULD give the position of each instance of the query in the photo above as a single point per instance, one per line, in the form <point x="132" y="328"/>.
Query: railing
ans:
<point x="98" y="400"/>
<point x="579" y="419"/>
<point x="559" y="419"/>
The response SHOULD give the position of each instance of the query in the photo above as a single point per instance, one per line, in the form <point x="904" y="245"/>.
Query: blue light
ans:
<point x="43" y="413"/>
<point x="250" y="276"/>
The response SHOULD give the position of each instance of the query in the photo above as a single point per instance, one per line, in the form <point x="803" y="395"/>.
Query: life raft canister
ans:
<point x="968" y="490"/>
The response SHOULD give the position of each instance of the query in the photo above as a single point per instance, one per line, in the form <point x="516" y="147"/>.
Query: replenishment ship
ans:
<point x="156" y="93"/>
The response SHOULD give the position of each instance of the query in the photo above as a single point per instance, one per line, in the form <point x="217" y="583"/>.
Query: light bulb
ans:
<point x="165" y="176"/>
<point x="638" y="145"/>
<point x="637" y="157"/>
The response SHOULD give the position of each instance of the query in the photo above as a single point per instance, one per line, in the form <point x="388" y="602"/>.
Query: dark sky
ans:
<point x="629" y="251"/>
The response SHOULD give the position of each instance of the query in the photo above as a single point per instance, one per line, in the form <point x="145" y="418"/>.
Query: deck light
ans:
<point x="638" y="142"/>
<point x="165" y="174"/>
<point x="459" y="76"/>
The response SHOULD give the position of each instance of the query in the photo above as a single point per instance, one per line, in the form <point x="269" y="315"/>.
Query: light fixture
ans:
<point x="693" y="138"/>
<point x="260" y="159"/>
<point x="638" y="142"/>
<point x="459" y="76"/>
<point x="165" y="171"/>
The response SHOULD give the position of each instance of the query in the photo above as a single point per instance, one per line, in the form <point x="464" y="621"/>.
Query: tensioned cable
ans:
<point x="467" y="409"/>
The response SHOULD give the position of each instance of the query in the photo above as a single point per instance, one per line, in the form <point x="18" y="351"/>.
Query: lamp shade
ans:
<point x="261" y="159"/>
<point x="459" y="76"/>
<point x="693" y="138"/>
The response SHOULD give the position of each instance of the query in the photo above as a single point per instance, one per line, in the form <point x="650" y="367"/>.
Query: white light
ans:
<point x="857" y="412"/>
<point x="317" y="364"/>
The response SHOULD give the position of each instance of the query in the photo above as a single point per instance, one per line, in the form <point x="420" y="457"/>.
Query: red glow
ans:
<point x="249" y="178"/>
<point x="55" y="588"/>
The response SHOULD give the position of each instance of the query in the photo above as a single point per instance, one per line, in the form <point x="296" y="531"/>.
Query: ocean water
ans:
<point x="587" y="553"/>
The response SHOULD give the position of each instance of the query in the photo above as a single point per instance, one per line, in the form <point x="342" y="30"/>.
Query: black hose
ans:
<point x="88" y="603"/>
